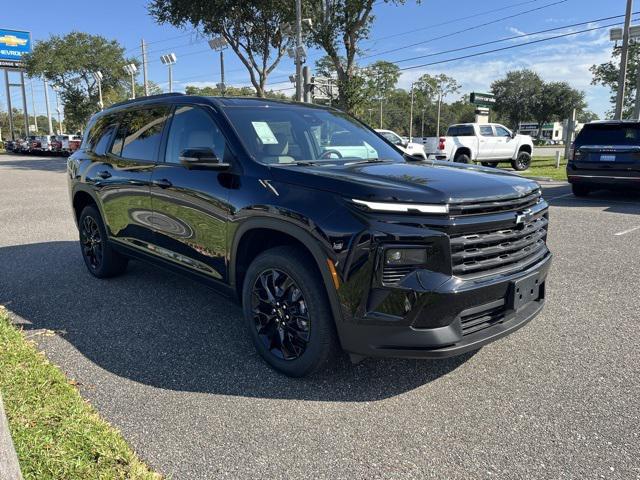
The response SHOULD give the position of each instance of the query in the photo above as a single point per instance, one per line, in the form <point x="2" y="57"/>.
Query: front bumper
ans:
<point x="448" y="317"/>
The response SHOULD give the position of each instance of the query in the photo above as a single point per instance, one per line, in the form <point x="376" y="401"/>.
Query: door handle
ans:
<point x="162" y="183"/>
<point x="104" y="174"/>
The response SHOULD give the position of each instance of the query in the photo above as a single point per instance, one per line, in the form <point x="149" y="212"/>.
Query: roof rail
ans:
<point x="148" y="97"/>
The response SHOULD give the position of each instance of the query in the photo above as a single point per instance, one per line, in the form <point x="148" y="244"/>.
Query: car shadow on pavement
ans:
<point x="612" y="201"/>
<point x="46" y="164"/>
<point x="167" y="331"/>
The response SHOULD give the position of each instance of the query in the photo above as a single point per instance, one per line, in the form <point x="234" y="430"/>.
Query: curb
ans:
<point x="9" y="466"/>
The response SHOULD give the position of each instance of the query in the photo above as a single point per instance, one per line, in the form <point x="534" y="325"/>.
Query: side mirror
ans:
<point x="201" y="157"/>
<point x="513" y="134"/>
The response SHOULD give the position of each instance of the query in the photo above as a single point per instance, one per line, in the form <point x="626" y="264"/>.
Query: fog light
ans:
<point x="405" y="256"/>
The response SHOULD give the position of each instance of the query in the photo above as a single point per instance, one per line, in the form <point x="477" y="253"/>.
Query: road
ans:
<point x="167" y="362"/>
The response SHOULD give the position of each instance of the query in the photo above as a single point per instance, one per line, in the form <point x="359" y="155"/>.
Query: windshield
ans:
<point x="290" y="134"/>
<point x="616" y="134"/>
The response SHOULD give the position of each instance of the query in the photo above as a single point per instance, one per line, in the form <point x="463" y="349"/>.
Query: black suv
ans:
<point x="605" y="155"/>
<point x="322" y="229"/>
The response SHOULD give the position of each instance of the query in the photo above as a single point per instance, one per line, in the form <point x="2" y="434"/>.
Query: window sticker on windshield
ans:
<point x="264" y="133"/>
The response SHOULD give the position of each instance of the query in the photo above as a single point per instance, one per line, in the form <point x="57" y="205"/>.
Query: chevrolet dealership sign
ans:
<point x="13" y="45"/>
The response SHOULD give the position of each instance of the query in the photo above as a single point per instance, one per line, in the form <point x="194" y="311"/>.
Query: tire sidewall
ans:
<point x="523" y="157"/>
<point x="112" y="262"/>
<point x="462" y="158"/>
<point x="320" y="318"/>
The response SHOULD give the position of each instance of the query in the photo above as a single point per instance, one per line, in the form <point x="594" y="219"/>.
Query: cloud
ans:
<point x="563" y="60"/>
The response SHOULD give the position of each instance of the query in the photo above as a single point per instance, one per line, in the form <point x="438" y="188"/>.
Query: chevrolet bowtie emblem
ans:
<point x="524" y="217"/>
<point x="13" y="41"/>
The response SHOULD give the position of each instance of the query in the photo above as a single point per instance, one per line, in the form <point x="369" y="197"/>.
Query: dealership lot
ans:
<point x="167" y="362"/>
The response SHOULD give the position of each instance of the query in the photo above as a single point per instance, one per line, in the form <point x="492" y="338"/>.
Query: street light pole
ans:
<point x="33" y="105"/>
<point x="59" y="110"/>
<point x="98" y="77"/>
<point x="168" y="60"/>
<point x="439" y="108"/>
<point x="46" y="101"/>
<point x="219" y="43"/>
<point x="411" y="116"/>
<point x="622" y="78"/>
<point x="131" y="69"/>
<point x="422" y="128"/>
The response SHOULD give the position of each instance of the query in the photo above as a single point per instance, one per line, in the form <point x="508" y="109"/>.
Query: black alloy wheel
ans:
<point x="280" y="315"/>
<point x="522" y="162"/>
<point x="91" y="240"/>
<point x="98" y="254"/>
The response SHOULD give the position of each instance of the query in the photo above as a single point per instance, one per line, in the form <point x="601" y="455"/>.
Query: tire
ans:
<point x="580" y="190"/>
<point x="462" y="158"/>
<point x="295" y="345"/>
<point x="522" y="161"/>
<point x="98" y="254"/>
<point x="489" y="164"/>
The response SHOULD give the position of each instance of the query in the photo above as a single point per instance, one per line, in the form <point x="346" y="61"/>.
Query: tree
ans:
<point x="339" y="26"/>
<point x="231" y="91"/>
<point x="607" y="74"/>
<point x="516" y="95"/>
<point x="65" y="62"/>
<point x="587" y="116"/>
<point x="253" y="29"/>
<point x="556" y="101"/>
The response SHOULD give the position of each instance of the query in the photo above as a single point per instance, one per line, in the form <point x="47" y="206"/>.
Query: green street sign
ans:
<point x="482" y="99"/>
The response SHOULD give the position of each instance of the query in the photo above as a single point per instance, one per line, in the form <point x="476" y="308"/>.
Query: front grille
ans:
<point x="392" y="275"/>
<point x="497" y="251"/>
<point x="485" y="316"/>
<point x="496" y="206"/>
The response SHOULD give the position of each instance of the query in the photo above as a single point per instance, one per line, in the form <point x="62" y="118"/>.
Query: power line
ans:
<point x="505" y="39"/>
<point x="474" y="27"/>
<point x="509" y="47"/>
<point x="448" y="22"/>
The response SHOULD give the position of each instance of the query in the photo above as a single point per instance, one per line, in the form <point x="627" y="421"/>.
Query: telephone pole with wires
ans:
<point x="622" y="78"/>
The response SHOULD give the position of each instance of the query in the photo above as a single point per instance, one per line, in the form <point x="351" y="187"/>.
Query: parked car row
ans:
<point x="64" y="144"/>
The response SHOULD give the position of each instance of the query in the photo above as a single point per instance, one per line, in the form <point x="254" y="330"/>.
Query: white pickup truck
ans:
<point x="487" y="143"/>
<point x="411" y="148"/>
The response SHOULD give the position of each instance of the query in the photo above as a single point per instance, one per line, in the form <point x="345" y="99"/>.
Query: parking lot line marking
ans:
<point x="627" y="231"/>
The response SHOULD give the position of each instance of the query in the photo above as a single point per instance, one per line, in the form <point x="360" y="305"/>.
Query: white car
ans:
<point x="410" y="148"/>
<point x="487" y="143"/>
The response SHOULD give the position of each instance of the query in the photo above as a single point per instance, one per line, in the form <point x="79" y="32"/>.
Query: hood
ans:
<point x="413" y="182"/>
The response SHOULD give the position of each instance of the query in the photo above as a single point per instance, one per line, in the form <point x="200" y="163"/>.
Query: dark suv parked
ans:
<point x="327" y="235"/>
<point x="605" y="155"/>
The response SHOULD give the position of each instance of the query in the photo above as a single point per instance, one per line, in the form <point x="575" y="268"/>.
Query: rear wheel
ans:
<point x="580" y="190"/>
<point x="522" y="161"/>
<point x="462" y="158"/>
<point x="101" y="259"/>
<point x="287" y="312"/>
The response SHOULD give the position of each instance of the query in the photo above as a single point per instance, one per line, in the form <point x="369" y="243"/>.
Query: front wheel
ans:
<point x="287" y="312"/>
<point x="522" y="161"/>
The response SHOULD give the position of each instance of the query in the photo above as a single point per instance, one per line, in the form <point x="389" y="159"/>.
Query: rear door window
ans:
<point x="486" y="130"/>
<point x="140" y="133"/>
<point x="594" y="134"/>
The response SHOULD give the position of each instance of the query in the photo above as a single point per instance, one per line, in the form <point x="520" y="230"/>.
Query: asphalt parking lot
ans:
<point x="167" y="362"/>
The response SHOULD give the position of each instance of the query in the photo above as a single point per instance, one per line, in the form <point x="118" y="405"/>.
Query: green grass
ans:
<point x="56" y="433"/>
<point x="545" y="167"/>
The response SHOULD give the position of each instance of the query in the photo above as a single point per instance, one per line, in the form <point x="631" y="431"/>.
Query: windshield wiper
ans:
<point x="370" y="160"/>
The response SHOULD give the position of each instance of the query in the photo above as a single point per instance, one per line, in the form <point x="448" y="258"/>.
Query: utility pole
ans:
<point x="422" y="128"/>
<point x="33" y="106"/>
<point x="143" y="46"/>
<point x="299" y="50"/>
<point x="623" y="62"/>
<point x="370" y="112"/>
<point x="306" y="78"/>
<point x="46" y="101"/>
<point x="636" y="108"/>
<point x="381" y="112"/>
<point x="571" y="128"/>
<point x="223" y="87"/>
<point x="411" y="116"/>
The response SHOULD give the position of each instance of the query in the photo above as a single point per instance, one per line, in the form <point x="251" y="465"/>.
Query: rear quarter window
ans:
<point x="594" y="134"/>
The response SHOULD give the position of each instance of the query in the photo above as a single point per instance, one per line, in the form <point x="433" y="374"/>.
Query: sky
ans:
<point x="399" y="33"/>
